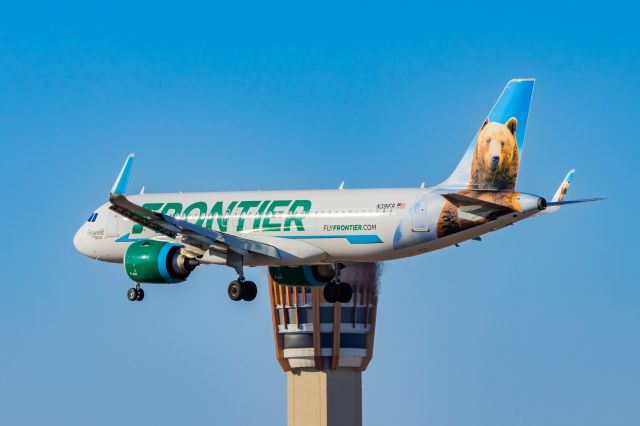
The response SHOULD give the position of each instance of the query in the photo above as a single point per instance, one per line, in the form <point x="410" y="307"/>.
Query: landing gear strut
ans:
<point x="337" y="291"/>
<point x="242" y="290"/>
<point x="135" y="294"/>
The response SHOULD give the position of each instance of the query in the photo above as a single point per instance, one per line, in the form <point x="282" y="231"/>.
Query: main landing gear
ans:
<point x="135" y="294"/>
<point x="242" y="290"/>
<point x="337" y="291"/>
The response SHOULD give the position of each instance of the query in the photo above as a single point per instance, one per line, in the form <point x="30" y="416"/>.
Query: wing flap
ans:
<point x="239" y="244"/>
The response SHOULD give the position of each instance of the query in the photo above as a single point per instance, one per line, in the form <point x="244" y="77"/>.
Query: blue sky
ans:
<point x="537" y="324"/>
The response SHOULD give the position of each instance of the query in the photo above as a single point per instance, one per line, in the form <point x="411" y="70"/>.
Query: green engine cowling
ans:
<point x="310" y="275"/>
<point x="157" y="262"/>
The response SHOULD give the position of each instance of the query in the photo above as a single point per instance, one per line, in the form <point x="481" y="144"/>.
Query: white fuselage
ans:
<point x="314" y="226"/>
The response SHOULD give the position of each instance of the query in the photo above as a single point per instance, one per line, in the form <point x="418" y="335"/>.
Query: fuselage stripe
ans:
<point x="353" y="239"/>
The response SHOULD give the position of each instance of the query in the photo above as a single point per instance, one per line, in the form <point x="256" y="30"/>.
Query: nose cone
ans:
<point x="80" y="241"/>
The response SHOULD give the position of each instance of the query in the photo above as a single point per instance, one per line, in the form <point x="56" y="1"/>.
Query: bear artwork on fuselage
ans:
<point x="494" y="171"/>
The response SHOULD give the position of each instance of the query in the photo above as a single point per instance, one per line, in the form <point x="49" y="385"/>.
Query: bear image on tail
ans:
<point x="495" y="160"/>
<point x="494" y="171"/>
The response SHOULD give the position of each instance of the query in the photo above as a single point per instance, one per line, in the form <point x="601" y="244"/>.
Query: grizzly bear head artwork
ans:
<point x="495" y="160"/>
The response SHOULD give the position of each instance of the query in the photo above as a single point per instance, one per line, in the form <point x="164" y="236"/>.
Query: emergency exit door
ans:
<point x="419" y="218"/>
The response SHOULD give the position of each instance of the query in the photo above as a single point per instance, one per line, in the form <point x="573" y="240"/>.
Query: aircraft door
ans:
<point x="419" y="219"/>
<point x="111" y="227"/>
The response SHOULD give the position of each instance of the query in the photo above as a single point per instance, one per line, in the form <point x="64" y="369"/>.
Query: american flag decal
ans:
<point x="401" y="205"/>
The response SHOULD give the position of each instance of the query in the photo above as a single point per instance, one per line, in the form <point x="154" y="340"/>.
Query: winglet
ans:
<point x="561" y="192"/>
<point x="564" y="187"/>
<point x="120" y="185"/>
<point x="558" y="198"/>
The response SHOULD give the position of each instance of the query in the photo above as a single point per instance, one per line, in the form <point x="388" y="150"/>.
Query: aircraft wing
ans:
<point x="195" y="238"/>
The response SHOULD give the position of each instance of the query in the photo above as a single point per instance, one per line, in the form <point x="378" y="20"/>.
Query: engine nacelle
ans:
<point x="157" y="262"/>
<point x="313" y="275"/>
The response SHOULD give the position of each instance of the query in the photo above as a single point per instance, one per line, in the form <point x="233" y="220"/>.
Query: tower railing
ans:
<point x="311" y="333"/>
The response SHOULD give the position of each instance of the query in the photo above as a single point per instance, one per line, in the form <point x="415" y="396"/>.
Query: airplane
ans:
<point x="305" y="237"/>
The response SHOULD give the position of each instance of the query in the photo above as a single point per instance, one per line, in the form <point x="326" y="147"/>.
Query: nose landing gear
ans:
<point x="135" y="294"/>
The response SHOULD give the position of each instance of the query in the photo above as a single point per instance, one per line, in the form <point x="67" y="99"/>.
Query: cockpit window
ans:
<point x="93" y="217"/>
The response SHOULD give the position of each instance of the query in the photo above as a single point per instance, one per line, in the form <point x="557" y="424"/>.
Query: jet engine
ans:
<point x="157" y="262"/>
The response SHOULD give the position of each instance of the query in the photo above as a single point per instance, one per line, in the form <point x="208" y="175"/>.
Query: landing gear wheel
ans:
<point x="140" y="295"/>
<point x="249" y="290"/>
<point x="235" y="290"/>
<point x="331" y="292"/>
<point x="345" y="291"/>
<point x="132" y="294"/>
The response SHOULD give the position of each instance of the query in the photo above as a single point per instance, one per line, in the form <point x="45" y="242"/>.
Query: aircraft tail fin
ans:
<point x="493" y="158"/>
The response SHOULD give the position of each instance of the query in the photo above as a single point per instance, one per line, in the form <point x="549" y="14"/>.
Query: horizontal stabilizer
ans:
<point x="462" y="201"/>
<point x="473" y="209"/>
<point x="563" y="203"/>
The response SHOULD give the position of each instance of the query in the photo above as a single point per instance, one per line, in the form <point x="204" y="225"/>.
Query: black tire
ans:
<point x="346" y="292"/>
<point x="249" y="291"/>
<point x="331" y="293"/>
<point x="132" y="294"/>
<point x="140" y="295"/>
<point x="235" y="290"/>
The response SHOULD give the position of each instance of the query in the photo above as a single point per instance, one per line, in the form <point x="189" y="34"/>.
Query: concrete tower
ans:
<point x="325" y="347"/>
